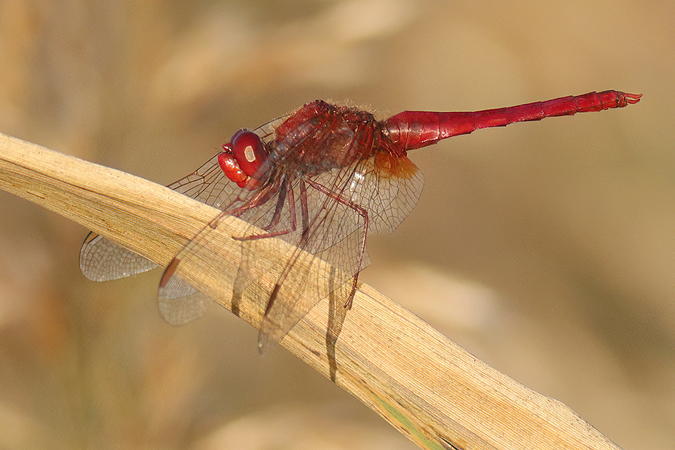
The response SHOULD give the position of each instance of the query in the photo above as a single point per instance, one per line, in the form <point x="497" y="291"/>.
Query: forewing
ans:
<point x="200" y="248"/>
<point x="104" y="260"/>
<point x="179" y="302"/>
<point x="208" y="184"/>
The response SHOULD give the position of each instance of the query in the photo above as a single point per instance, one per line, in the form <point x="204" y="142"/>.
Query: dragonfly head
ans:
<point x="242" y="159"/>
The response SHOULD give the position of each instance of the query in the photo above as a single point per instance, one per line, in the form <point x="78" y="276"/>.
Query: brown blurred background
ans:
<point x="546" y="249"/>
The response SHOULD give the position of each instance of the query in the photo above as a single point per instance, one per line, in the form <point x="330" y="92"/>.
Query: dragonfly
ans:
<point x="321" y="179"/>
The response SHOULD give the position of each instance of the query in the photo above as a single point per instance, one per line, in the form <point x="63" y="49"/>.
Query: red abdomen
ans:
<point x="415" y="129"/>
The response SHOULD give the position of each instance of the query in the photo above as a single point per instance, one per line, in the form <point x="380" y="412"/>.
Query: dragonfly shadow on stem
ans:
<point x="337" y="313"/>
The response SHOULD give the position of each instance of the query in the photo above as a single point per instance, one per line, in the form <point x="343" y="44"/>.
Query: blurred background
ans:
<point x="546" y="249"/>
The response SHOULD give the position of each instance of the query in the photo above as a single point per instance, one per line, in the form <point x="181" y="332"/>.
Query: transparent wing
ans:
<point x="104" y="260"/>
<point x="181" y="303"/>
<point x="332" y="251"/>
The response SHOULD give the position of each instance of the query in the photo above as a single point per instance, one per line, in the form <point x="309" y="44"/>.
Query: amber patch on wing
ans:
<point x="388" y="165"/>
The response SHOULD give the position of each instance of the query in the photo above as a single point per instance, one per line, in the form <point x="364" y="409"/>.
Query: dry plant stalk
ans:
<point x="434" y="392"/>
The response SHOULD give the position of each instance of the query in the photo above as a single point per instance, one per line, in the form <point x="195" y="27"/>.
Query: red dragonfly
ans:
<point x="321" y="178"/>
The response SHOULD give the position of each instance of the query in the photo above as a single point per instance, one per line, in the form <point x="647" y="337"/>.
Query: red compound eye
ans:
<point x="249" y="151"/>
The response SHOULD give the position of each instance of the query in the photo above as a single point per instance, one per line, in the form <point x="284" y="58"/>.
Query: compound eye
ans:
<point x="248" y="150"/>
<point x="237" y="133"/>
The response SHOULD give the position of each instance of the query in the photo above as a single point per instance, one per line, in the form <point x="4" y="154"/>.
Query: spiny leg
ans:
<point x="286" y="191"/>
<point x="362" y="251"/>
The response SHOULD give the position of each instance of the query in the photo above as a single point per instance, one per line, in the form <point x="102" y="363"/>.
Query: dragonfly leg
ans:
<point x="285" y="192"/>
<point x="362" y="250"/>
